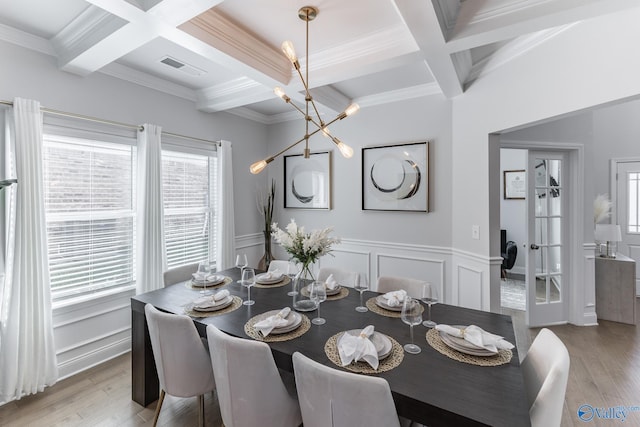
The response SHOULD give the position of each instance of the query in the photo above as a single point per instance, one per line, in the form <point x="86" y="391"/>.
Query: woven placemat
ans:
<point x="371" y="305"/>
<point x="226" y="281"/>
<point x="236" y="304"/>
<point x="503" y="357"/>
<point x="257" y="335"/>
<point x="285" y="281"/>
<point x="386" y="364"/>
<point x="344" y="292"/>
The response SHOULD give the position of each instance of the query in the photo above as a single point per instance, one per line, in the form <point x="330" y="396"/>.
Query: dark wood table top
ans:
<point x="428" y="387"/>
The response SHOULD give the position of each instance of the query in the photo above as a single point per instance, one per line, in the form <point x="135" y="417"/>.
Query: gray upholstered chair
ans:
<point x="182" y="360"/>
<point x="414" y="287"/>
<point x="343" y="277"/>
<point x="179" y="274"/>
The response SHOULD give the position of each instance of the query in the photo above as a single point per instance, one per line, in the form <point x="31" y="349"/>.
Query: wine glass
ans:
<point x="361" y="286"/>
<point x="318" y="294"/>
<point x="203" y="271"/>
<point x="429" y="297"/>
<point x="241" y="262"/>
<point x="411" y="315"/>
<point x="248" y="280"/>
<point x="292" y="270"/>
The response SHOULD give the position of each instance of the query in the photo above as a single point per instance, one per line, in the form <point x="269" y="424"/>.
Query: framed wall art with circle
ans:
<point x="396" y="177"/>
<point x="308" y="181"/>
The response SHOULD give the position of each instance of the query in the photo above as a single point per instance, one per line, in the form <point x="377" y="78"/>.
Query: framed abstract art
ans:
<point x="308" y="181"/>
<point x="396" y="177"/>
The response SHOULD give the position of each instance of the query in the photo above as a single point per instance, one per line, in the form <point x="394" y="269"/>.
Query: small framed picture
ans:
<point x="515" y="185"/>
<point x="308" y="181"/>
<point x="396" y="177"/>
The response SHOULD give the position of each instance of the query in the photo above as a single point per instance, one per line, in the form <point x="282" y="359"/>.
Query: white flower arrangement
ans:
<point x="601" y="208"/>
<point x="304" y="247"/>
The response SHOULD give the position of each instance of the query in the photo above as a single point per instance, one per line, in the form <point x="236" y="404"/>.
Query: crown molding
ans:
<point x="125" y="73"/>
<point x="85" y="31"/>
<point x="251" y="115"/>
<point x="512" y="50"/>
<point x="218" y="31"/>
<point x="26" y="40"/>
<point x="398" y="95"/>
<point x="503" y="9"/>
<point x="447" y="13"/>
<point x="231" y="94"/>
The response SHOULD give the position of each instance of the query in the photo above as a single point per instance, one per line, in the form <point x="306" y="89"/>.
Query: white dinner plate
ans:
<point x="330" y="292"/>
<point x="464" y="346"/>
<point x="293" y="321"/>
<point x="211" y="281"/>
<point x="381" y="342"/>
<point x="381" y="301"/>
<point x="263" y="280"/>
<point x="218" y="306"/>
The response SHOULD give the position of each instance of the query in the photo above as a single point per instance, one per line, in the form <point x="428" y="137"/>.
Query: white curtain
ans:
<point x="225" y="244"/>
<point x="151" y="261"/>
<point x="27" y="352"/>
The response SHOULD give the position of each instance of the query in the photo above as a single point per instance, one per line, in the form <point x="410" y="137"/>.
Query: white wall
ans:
<point x="390" y="243"/>
<point x="587" y="65"/>
<point x="91" y="333"/>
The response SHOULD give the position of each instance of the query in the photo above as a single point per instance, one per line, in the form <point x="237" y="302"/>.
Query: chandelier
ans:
<point x="307" y="14"/>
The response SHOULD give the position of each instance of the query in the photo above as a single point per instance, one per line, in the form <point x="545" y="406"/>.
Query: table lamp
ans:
<point x="608" y="233"/>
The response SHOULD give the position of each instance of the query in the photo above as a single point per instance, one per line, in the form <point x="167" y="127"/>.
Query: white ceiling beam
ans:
<point x="110" y="29"/>
<point x="481" y="23"/>
<point x="422" y="20"/>
<point x="235" y="93"/>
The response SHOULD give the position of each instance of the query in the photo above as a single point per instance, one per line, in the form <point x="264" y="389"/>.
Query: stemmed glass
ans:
<point x="248" y="280"/>
<point x="318" y="294"/>
<point x="411" y="315"/>
<point x="429" y="297"/>
<point x="241" y="263"/>
<point x="203" y="271"/>
<point x="292" y="270"/>
<point x="361" y="286"/>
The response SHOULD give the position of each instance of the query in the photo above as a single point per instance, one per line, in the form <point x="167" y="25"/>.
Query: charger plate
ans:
<point x="251" y="331"/>
<point x="502" y="358"/>
<point x="373" y="306"/>
<point x="189" y="284"/>
<point x="393" y="360"/>
<point x="284" y="281"/>
<point x="235" y="304"/>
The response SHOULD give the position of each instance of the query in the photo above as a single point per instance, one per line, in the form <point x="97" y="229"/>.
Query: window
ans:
<point x="188" y="182"/>
<point x="634" y="203"/>
<point x="89" y="190"/>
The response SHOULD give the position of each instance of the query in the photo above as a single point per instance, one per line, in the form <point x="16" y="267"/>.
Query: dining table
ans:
<point x="429" y="388"/>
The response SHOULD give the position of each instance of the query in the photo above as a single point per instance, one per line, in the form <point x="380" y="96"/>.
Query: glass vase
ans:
<point x="303" y="278"/>
<point x="266" y="259"/>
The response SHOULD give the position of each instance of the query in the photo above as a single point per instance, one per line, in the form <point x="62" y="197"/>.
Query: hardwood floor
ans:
<point x="605" y="372"/>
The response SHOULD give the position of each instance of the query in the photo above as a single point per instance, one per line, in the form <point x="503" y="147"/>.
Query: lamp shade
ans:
<point x="607" y="233"/>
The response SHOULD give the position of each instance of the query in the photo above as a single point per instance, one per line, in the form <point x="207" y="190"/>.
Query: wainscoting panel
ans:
<point x="430" y="270"/>
<point x="348" y="259"/>
<point x="470" y="287"/>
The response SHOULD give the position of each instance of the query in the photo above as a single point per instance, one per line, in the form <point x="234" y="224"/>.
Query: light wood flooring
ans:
<point x="605" y="372"/>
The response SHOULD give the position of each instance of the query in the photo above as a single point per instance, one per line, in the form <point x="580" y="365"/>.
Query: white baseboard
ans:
<point x="93" y="358"/>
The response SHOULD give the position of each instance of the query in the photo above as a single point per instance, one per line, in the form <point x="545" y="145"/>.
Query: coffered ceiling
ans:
<point x="225" y="54"/>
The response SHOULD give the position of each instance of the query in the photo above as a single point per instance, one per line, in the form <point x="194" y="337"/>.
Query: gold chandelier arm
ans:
<point x="307" y="93"/>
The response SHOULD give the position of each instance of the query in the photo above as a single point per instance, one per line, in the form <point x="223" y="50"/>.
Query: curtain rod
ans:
<point x="111" y="122"/>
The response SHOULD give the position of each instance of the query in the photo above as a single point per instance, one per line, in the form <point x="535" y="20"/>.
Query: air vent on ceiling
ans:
<point x="179" y="65"/>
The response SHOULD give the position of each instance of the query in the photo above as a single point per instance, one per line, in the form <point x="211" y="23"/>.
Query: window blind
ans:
<point x="189" y="194"/>
<point x="89" y="192"/>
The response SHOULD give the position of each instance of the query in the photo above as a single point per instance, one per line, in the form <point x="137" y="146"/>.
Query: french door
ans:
<point x="628" y="211"/>
<point x="546" y="250"/>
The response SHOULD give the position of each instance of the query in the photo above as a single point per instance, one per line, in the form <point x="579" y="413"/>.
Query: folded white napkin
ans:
<point x="271" y="275"/>
<point x="212" y="300"/>
<point x="359" y="347"/>
<point x="478" y="337"/>
<point x="208" y="277"/>
<point x="395" y="298"/>
<point x="270" y="323"/>
<point x="330" y="283"/>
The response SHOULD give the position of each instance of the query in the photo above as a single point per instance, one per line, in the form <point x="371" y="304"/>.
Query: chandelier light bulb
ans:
<point x="257" y="167"/>
<point x="289" y="51"/>
<point x="280" y="92"/>
<point x="352" y="109"/>
<point x="345" y="150"/>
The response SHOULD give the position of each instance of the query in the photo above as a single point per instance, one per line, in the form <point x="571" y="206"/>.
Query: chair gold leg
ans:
<point x="201" y="410"/>
<point x="160" y="400"/>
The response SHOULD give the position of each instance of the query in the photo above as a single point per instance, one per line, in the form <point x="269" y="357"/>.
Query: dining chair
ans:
<point x="179" y="274"/>
<point x="343" y="277"/>
<point x="250" y="389"/>
<point x="329" y="397"/>
<point x="546" y="370"/>
<point x="182" y="361"/>
<point x="414" y="287"/>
